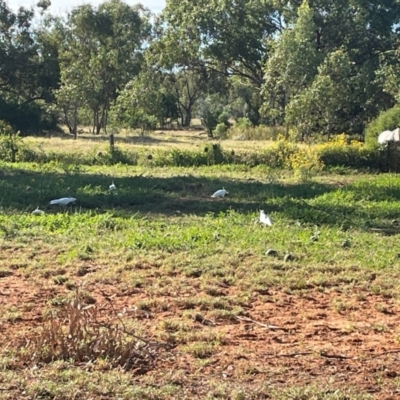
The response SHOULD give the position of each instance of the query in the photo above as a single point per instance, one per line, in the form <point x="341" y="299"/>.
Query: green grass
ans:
<point x="162" y="238"/>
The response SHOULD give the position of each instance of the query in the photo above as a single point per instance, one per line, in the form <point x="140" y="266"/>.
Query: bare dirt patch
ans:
<point x="340" y="339"/>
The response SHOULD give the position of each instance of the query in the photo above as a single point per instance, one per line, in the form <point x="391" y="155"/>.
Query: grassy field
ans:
<point x="158" y="291"/>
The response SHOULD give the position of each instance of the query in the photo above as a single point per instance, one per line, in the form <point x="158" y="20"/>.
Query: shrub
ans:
<point x="337" y="153"/>
<point x="212" y="154"/>
<point x="244" y="123"/>
<point x="220" y="130"/>
<point x="10" y="142"/>
<point x="115" y="155"/>
<point x="386" y="120"/>
<point x="306" y="163"/>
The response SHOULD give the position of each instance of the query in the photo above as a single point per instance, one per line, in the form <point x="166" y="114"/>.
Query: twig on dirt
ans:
<point x="272" y="327"/>
<point x="332" y="328"/>
<point x="273" y="355"/>
<point x="307" y="353"/>
<point x="385" y="353"/>
<point x="339" y="356"/>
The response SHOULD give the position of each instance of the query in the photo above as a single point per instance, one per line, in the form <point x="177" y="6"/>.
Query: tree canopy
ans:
<point x="316" y="66"/>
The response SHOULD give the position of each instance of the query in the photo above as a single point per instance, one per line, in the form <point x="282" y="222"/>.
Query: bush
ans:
<point x="10" y="142"/>
<point x="220" y="130"/>
<point x="244" y="123"/>
<point x="387" y="120"/>
<point x="338" y="153"/>
<point x="212" y="154"/>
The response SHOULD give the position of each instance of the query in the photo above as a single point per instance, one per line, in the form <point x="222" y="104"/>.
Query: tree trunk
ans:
<point x="94" y="121"/>
<point x="187" y="117"/>
<point x="75" y="123"/>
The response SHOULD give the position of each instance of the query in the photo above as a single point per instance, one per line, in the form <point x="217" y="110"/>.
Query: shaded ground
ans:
<point x="340" y="339"/>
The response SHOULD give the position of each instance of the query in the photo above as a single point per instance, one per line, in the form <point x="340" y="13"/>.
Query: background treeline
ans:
<point x="317" y="67"/>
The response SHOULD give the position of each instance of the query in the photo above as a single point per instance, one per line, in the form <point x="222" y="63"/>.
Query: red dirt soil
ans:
<point x="338" y="339"/>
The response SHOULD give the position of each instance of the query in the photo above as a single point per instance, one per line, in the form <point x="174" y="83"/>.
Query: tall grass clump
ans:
<point x="245" y="130"/>
<point x="212" y="154"/>
<point x="10" y="142"/>
<point x="115" y="155"/>
<point x="79" y="332"/>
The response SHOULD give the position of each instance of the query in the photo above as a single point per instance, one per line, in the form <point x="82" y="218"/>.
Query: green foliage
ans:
<point x="220" y="130"/>
<point x="304" y="160"/>
<point x="211" y="112"/>
<point x="215" y="36"/>
<point x="27" y="118"/>
<point x="243" y="123"/>
<point x="386" y="120"/>
<point x="106" y="40"/>
<point x="10" y="142"/>
<point x="248" y="132"/>
<point x="352" y="156"/>
<point x="212" y="154"/>
<point x="143" y="104"/>
<point x="292" y="64"/>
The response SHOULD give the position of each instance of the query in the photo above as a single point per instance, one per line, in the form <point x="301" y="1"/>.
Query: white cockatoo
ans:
<point x="64" y="201"/>
<point x="37" y="211"/>
<point x="265" y="219"/>
<point x="220" y="193"/>
<point x="112" y="186"/>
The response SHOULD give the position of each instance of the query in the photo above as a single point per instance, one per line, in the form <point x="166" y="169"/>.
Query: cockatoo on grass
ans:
<point x="64" y="201"/>
<point x="265" y="219"/>
<point x="112" y="186"/>
<point x="37" y="211"/>
<point x="220" y="193"/>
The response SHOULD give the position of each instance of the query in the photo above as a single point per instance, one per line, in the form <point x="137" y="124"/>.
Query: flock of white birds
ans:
<point x="264" y="218"/>
<point x="64" y="201"/>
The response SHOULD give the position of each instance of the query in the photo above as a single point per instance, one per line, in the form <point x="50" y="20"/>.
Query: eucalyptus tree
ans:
<point x="143" y="104"/>
<point x="292" y="64"/>
<point x="199" y="41"/>
<point x="341" y="48"/>
<point x="101" y="50"/>
<point x="28" y="70"/>
<point x="227" y="35"/>
<point x="182" y="74"/>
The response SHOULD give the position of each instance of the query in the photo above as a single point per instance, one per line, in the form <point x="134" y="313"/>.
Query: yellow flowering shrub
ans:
<point x="339" y="152"/>
<point x="305" y="163"/>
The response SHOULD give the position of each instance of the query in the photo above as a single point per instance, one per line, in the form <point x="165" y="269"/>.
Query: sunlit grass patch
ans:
<point x="183" y="267"/>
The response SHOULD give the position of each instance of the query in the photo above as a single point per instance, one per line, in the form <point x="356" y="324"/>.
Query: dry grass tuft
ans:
<point x="79" y="332"/>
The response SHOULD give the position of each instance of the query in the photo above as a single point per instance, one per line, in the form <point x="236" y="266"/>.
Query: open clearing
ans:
<point x="163" y="261"/>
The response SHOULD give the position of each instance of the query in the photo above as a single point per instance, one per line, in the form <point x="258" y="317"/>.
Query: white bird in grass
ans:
<point x="37" y="211"/>
<point x="265" y="219"/>
<point x="220" y="193"/>
<point x="64" y="201"/>
<point x="112" y="186"/>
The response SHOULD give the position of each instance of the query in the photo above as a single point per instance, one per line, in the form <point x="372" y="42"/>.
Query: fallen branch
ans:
<point x="306" y="353"/>
<point x="385" y="353"/>
<point x="339" y="356"/>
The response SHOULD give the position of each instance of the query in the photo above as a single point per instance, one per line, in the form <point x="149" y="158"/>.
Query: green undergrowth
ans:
<point x="183" y="259"/>
<point x="305" y="160"/>
<point x="174" y="218"/>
